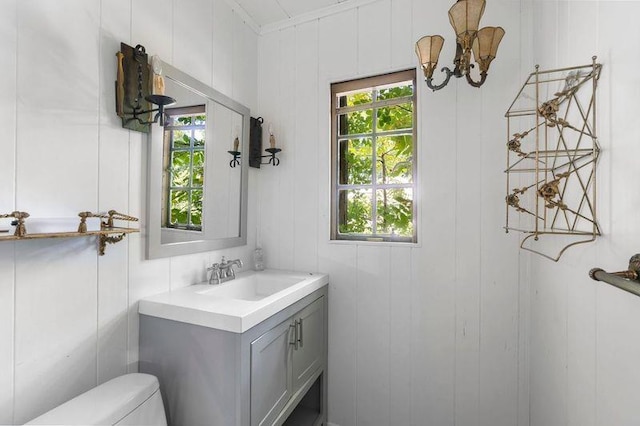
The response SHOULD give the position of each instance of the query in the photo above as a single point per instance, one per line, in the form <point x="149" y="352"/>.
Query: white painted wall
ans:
<point x="438" y="334"/>
<point x="584" y="346"/>
<point x="419" y="335"/>
<point x="68" y="318"/>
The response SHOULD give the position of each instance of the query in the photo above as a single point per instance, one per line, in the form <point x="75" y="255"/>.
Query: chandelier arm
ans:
<point x="444" y="83"/>
<point x="483" y="77"/>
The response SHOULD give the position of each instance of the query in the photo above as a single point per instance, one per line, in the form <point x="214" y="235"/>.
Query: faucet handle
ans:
<point x="215" y="273"/>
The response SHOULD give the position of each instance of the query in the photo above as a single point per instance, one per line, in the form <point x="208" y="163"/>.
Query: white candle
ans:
<point x="272" y="139"/>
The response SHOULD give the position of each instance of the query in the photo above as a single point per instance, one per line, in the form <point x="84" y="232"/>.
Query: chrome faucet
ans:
<point x="223" y="271"/>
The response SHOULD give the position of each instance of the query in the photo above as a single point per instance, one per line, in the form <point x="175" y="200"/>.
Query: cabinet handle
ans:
<point x="300" y="335"/>
<point x="295" y="335"/>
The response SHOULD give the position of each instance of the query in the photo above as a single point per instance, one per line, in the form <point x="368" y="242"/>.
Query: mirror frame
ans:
<point x="155" y="249"/>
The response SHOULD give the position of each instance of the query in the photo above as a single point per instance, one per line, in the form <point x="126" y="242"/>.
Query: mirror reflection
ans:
<point x="196" y="199"/>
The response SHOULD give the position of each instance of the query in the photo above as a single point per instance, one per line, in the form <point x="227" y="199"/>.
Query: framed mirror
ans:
<point x="196" y="192"/>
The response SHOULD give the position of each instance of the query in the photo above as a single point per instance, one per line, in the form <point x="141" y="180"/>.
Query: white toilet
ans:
<point x="132" y="399"/>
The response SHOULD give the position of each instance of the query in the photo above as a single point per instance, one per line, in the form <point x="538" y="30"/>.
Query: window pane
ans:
<point x="182" y="120"/>
<point x="198" y="137"/>
<point x="180" y="168"/>
<point x="179" y="207"/>
<point x="358" y="98"/>
<point x="196" y="207"/>
<point x="357" y="122"/>
<point x="394" y="159"/>
<point x="181" y="139"/>
<point x="354" y="211"/>
<point x="395" y="92"/>
<point x="356" y="162"/>
<point x="395" y="117"/>
<point x="395" y="211"/>
<point x="198" y="168"/>
<point x="200" y="120"/>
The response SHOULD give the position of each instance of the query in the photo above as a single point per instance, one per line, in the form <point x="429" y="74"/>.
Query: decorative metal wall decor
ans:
<point x="464" y="17"/>
<point x="552" y="154"/>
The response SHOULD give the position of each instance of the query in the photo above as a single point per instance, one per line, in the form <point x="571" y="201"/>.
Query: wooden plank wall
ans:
<point x="422" y="335"/>
<point x="68" y="318"/>
<point x="583" y="348"/>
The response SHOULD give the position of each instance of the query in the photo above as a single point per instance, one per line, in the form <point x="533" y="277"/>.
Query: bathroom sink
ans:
<point x="254" y="286"/>
<point x="235" y="305"/>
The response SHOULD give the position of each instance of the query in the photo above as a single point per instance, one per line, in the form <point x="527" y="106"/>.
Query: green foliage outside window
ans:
<point x="186" y="134"/>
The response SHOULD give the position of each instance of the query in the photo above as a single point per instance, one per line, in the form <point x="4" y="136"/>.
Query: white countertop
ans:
<point x="236" y="305"/>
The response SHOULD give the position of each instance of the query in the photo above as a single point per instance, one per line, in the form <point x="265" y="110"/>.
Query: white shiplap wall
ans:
<point x="426" y="335"/>
<point x="68" y="318"/>
<point x="584" y="346"/>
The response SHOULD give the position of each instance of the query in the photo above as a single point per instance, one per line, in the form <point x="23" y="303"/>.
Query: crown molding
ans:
<point x="312" y="16"/>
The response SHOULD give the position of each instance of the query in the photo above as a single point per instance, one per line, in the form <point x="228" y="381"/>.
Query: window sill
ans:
<point x="375" y="243"/>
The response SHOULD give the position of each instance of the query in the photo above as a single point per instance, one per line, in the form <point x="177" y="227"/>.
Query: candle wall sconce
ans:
<point x="255" y="146"/>
<point x="137" y="90"/>
<point x="236" y="154"/>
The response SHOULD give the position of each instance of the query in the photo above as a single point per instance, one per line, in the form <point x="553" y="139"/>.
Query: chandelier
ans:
<point x="465" y="19"/>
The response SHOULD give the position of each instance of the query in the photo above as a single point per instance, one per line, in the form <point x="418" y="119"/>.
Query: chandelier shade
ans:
<point x="464" y="17"/>
<point x="485" y="46"/>
<point x="428" y="50"/>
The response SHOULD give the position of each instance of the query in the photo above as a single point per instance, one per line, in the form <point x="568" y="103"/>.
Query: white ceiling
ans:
<point x="267" y="12"/>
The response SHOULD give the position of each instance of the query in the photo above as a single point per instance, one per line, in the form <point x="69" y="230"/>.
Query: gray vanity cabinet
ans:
<point x="284" y="360"/>
<point x="307" y="357"/>
<point x="272" y="374"/>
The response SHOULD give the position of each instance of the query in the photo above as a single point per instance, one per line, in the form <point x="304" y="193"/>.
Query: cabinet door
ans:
<point x="271" y="380"/>
<point x="308" y="355"/>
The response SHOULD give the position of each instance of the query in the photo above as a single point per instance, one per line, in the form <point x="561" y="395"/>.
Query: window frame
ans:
<point x="355" y="85"/>
<point x="191" y="149"/>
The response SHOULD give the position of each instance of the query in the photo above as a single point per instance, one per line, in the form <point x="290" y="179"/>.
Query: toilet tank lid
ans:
<point x="103" y="405"/>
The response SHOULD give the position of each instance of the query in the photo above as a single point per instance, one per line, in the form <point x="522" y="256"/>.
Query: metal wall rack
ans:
<point x="552" y="154"/>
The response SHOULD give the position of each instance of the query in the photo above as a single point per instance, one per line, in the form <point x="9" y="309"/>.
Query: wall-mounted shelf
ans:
<point x="108" y="234"/>
<point x="552" y="154"/>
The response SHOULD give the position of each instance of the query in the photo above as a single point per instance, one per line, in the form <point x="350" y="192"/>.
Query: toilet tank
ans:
<point x="132" y="399"/>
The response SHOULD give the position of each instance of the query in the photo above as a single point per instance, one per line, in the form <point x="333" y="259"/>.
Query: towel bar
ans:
<point x="625" y="280"/>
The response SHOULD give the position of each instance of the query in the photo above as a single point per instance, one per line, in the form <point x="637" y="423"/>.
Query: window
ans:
<point x="373" y="158"/>
<point x="184" y="140"/>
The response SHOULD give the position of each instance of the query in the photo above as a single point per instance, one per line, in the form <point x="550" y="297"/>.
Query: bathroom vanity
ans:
<point x="249" y="352"/>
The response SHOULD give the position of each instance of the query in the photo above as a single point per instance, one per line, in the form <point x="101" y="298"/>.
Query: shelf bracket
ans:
<point x="108" y="239"/>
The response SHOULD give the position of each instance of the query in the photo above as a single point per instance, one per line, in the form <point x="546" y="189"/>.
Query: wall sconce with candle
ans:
<point x="464" y="17"/>
<point x="255" y="148"/>
<point x="137" y="90"/>
<point x="235" y="161"/>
